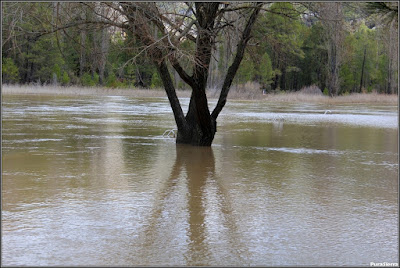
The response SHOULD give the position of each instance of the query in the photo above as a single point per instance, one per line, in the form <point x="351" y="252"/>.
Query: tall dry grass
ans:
<point x="351" y="98"/>
<point x="248" y="91"/>
<point x="77" y="91"/>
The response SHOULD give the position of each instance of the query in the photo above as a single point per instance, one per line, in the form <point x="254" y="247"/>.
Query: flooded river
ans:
<point x="92" y="181"/>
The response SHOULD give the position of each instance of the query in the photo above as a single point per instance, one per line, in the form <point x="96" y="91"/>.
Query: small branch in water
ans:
<point x="170" y="133"/>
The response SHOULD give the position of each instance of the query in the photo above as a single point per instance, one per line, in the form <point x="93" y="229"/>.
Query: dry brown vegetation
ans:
<point x="76" y="91"/>
<point x="243" y="92"/>
<point x="351" y="98"/>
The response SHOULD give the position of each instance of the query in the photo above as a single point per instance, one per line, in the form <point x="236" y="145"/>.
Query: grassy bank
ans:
<point x="235" y="94"/>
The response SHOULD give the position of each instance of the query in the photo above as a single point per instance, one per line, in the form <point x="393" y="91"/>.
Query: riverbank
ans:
<point x="233" y="95"/>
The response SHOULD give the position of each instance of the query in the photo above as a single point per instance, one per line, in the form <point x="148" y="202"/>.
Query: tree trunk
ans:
<point x="199" y="131"/>
<point x="198" y="127"/>
<point x="82" y="58"/>
<point x="332" y="71"/>
<point x="332" y="17"/>
<point x="393" y="59"/>
<point x="282" y="81"/>
<point x="104" y="47"/>
<point x="362" y="70"/>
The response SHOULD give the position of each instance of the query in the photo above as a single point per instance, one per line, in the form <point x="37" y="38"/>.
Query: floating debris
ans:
<point x="170" y="133"/>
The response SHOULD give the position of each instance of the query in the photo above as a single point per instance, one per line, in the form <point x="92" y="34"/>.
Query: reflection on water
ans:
<point x="92" y="182"/>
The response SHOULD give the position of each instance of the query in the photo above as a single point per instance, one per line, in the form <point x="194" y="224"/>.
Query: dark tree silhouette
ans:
<point x="199" y="22"/>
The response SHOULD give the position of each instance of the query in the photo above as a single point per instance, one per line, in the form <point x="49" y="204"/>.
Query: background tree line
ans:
<point x="341" y="47"/>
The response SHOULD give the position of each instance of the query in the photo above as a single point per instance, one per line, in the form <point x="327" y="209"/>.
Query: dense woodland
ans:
<point x="341" y="47"/>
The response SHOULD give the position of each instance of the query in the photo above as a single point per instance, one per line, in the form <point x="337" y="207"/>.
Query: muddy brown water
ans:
<point x="92" y="181"/>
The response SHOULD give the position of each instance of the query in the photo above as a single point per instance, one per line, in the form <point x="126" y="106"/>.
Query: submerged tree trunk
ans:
<point x="199" y="131"/>
<point x="199" y="126"/>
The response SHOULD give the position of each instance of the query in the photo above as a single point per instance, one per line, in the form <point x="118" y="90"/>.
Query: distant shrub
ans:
<point x="65" y="80"/>
<point x="248" y="90"/>
<point x="96" y="78"/>
<point x="9" y="71"/>
<point x="89" y="81"/>
<point x="156" y="81"/>
<point x="113" y="82"/>
<point x="312" y="90"/>
<point x="326" y="92"/>
<point x="57" y="72"/>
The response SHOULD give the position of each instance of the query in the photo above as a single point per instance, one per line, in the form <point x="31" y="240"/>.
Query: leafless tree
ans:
<point x="331" y="16"/>
<point x="200" y="23"/>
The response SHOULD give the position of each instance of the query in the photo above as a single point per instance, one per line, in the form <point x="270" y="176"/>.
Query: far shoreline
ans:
<point x="254" y="95"/>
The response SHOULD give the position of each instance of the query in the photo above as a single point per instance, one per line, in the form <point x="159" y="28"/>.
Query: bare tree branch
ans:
<point x="235" y="65"/>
